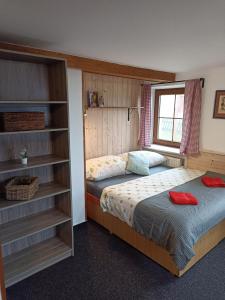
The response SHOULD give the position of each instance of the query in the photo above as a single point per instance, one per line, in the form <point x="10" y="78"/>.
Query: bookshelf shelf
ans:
<point x="34" y="259"/>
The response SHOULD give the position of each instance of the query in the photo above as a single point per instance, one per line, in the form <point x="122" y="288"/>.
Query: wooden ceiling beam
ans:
<point x="96" y="66"/>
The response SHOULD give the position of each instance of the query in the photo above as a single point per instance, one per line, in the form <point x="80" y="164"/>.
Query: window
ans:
<point x="168" y="117"/>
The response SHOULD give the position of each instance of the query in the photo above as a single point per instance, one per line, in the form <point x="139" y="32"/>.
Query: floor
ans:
<point x="104" y="267"/>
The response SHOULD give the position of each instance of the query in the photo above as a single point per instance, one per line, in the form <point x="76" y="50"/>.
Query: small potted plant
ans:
<point x="23" y="156"/>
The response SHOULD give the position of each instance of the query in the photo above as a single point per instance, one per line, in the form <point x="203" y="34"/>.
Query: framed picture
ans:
<point x="219" y="106"/>
<point x="92" y="99"/>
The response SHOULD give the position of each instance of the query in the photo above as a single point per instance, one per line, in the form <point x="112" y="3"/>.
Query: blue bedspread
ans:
<point x="178" y="227"/>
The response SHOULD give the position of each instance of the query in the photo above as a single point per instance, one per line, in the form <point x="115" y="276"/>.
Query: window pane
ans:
<point x="179" y="106"/>
<point x="177" y="133"/>
<point x="166" y="103"/>
<point x="165" y="130"/>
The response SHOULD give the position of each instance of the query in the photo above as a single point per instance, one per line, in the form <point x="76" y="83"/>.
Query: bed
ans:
<point x="151" y="212"/>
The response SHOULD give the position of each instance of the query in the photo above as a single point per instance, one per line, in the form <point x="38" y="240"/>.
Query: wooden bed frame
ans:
<point x="148" y="247"/>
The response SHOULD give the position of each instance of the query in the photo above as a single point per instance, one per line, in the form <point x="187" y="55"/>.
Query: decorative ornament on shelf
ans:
<point x="92" y="99"/>
<point x="101" y="101"/>
<point x="24" y="157"/>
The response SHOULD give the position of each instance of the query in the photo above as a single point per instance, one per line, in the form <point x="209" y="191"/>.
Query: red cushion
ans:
<point x="213" y="182"/>
<point x="183" y="198"/>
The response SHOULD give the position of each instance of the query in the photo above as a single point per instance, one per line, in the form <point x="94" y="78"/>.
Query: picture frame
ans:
<point x="219" y="105"/>
<point x="92" y="99"/>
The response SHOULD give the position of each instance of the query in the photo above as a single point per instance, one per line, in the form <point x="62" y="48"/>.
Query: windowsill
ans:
<point x="165" y="150"/>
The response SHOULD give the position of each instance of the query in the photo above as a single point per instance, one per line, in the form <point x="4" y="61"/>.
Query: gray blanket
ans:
<point x="178" y="227"/>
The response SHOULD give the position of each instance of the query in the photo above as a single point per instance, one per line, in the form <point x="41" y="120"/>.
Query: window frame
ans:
<point x="158" y="93"/>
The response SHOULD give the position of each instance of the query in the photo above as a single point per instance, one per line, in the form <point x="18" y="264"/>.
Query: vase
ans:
<point x="24" y="161"/>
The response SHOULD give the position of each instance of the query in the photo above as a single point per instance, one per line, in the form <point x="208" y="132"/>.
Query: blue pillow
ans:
<point x="138" y="164"/>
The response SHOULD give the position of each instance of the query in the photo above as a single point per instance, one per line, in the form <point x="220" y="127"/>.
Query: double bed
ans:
<point x="138" y="210"/>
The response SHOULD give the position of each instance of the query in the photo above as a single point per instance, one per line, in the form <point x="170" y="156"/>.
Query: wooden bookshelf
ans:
<point x="38" y="232"/>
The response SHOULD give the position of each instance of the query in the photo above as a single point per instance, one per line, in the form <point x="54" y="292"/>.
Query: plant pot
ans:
<point x="24" y="161"/>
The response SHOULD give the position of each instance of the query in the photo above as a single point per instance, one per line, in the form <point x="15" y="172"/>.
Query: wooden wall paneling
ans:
<point x="118" y="116"/>
<point x="107" y="130"/>
<point x="123" y="115"/>
<point x="133" y="116"/>
<point x="114" y="116"/>
<point x="123" y="120"/>
<point x="98" y="85"/>
<point x="95" y="66"/>
<point x="110" y="120"/>
<point x="208" y="162"/>
<point x="129" y="123"/>
<point x="104" y="118"/>
<point x="89" y="115"/>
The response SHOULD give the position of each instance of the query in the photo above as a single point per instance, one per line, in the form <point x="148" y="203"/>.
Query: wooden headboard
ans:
<point x="208" y="162"/>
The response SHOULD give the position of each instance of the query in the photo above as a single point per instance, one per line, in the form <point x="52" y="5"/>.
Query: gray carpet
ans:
<point x="104" y="267"/>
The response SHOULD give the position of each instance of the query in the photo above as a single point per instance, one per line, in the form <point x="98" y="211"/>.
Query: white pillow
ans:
<point x="105" y="167"/>
<point x="154" y="158"/>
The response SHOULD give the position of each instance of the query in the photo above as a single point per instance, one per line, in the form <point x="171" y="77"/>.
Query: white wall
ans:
<point x="76" y="144"/>
<point x="212" y="137"/>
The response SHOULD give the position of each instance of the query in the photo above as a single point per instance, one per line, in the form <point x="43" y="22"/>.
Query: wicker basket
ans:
<point x="16" y="121"/>
<point x="21" y="188"/>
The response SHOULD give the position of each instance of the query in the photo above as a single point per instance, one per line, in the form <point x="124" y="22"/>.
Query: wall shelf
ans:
<point x="116" y="107"/>
<point x="129" y="109"/>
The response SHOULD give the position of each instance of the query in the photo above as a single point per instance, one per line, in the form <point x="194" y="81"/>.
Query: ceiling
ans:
<point x="174" y="35"/>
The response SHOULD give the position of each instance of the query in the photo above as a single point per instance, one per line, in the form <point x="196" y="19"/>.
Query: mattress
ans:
<point x="96" y="187"/>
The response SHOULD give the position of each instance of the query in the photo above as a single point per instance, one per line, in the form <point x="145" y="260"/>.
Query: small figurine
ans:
<point x="101" y="101"/>
<point x="92" y="99"/>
